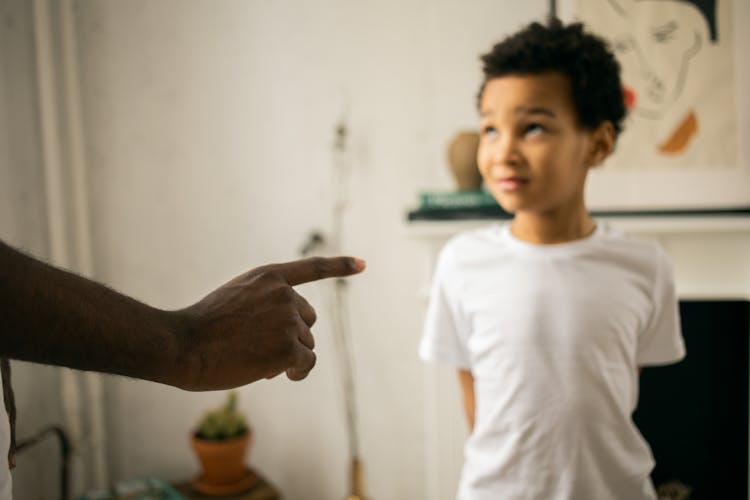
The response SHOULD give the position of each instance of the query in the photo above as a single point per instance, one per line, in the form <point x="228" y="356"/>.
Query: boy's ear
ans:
<point x="602" y="143"/>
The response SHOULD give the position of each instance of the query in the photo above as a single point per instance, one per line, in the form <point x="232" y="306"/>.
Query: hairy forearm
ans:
<point x="254" y="326"/>
<point x="51" y="316"/>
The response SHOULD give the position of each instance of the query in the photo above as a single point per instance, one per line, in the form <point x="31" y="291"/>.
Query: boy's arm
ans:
<point x="467" y="388"/>
<point x="254" y="326"/>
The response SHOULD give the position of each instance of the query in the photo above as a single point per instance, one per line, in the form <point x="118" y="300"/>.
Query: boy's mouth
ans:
<point x="511" y="183"/>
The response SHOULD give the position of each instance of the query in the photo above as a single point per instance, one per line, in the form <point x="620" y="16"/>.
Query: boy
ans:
<point x="549" y="318"/>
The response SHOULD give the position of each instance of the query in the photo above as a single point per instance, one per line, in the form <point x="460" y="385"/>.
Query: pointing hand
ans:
<point x="255" y="326"/>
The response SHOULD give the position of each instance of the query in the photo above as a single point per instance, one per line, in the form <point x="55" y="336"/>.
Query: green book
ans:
<point x="146" y="488"/>
<point x="456" y="200"/>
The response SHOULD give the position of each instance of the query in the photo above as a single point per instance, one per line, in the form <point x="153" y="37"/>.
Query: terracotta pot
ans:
<point x="223" y="461"/>
<point x="462" y="158"/>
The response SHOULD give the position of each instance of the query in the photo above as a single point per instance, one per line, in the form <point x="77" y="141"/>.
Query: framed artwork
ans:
<point x="685" y="76"/>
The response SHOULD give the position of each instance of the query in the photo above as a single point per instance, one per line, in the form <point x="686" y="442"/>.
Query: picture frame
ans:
<point x="707" y="77"/>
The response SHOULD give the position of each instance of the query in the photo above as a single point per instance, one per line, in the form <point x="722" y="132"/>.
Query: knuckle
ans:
<point x="292" y="326"/>
<point x="290" y="334"/>
<point x="313" y="362"/>
<point x="284" y="341"/>
<point x="289" y="294"/>
<point x="288" y="351"/>
<point x="268" y="274"/>
<point x="302" y="366"/>
<point x="322" y="266"/>
<point x="310" y="339"/>
<point x="306" y="362"/>
<point x="260" y="271"/>
<point x="285" y="294"/>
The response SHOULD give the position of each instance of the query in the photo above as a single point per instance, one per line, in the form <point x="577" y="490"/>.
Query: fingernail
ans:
<point x="361" y="264"/>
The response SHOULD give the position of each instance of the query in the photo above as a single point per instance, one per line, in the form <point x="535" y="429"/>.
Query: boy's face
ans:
<point x="532" y="154"/>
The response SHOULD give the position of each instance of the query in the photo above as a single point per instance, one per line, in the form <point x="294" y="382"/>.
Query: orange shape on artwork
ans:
<point x="681" y="136"/>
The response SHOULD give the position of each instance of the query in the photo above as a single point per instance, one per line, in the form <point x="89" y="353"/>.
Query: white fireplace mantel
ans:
<point x="651" y="225"/>
<point x="711" y="253"/>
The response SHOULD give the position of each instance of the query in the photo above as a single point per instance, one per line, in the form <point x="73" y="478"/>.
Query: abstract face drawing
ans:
<point x="655" y="48"/>
<point x="655" y="41"/>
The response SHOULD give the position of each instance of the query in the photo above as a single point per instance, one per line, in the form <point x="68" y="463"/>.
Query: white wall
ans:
<point x="22" y="224"/>
<point x="209" y="128"/>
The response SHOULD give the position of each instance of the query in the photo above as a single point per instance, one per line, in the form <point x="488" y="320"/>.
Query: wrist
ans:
<point x="172" y="368"/>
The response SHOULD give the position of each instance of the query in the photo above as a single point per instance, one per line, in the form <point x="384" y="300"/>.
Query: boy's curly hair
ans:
<point x="585" y="59"/>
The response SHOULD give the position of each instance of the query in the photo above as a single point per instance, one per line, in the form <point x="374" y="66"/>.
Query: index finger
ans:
<point x="318" y="268"/>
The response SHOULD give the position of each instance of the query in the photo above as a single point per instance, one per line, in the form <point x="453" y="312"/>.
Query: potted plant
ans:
<point x="221" y="440"/>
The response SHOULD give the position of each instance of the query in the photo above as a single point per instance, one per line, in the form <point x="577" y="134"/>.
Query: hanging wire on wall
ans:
<point x="339" y="303"/>
<point x="340" y="308"/>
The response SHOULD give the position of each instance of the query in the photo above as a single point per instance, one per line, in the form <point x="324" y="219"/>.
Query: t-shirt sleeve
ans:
<point x="662" y="343"/>
<point x="445" y="332"/>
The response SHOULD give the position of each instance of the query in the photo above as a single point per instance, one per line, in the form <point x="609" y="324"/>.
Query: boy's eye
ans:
<point x="489" y="131"/>
<point x="534" y="129"/>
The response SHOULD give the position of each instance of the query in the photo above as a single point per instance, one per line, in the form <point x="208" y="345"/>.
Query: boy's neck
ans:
<point x="552" y="228"/>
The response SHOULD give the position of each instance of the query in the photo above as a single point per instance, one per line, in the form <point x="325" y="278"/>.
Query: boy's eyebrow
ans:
<point x="522" y="110"/>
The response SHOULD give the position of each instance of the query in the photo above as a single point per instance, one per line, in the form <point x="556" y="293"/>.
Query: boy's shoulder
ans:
<point x="487" y="234"/>
<point x="617" y="240"/>
<point x="635" y="254"/>
<point x="469" y="245"/>
<point x="469" y="241"/>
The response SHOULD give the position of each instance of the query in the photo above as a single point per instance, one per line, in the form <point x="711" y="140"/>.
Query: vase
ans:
<point x="462" y="159"/>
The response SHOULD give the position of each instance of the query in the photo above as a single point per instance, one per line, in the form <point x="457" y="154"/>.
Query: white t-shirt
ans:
<point x="554" y="336"/>
<point x="6" y="483"/>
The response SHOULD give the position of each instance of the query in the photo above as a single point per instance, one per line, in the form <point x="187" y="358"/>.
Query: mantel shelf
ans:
<point x="646" y="225"/>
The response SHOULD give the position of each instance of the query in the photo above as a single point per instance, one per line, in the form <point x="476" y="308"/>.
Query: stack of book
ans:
<point x="479" y="204"/>
<point x="452" y="205"/>
<point x="145" y="488"/>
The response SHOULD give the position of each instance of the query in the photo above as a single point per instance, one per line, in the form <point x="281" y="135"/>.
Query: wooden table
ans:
<point x="263" y="490"/>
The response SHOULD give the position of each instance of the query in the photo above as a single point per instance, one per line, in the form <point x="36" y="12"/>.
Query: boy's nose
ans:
<point x="505" y="152"/>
